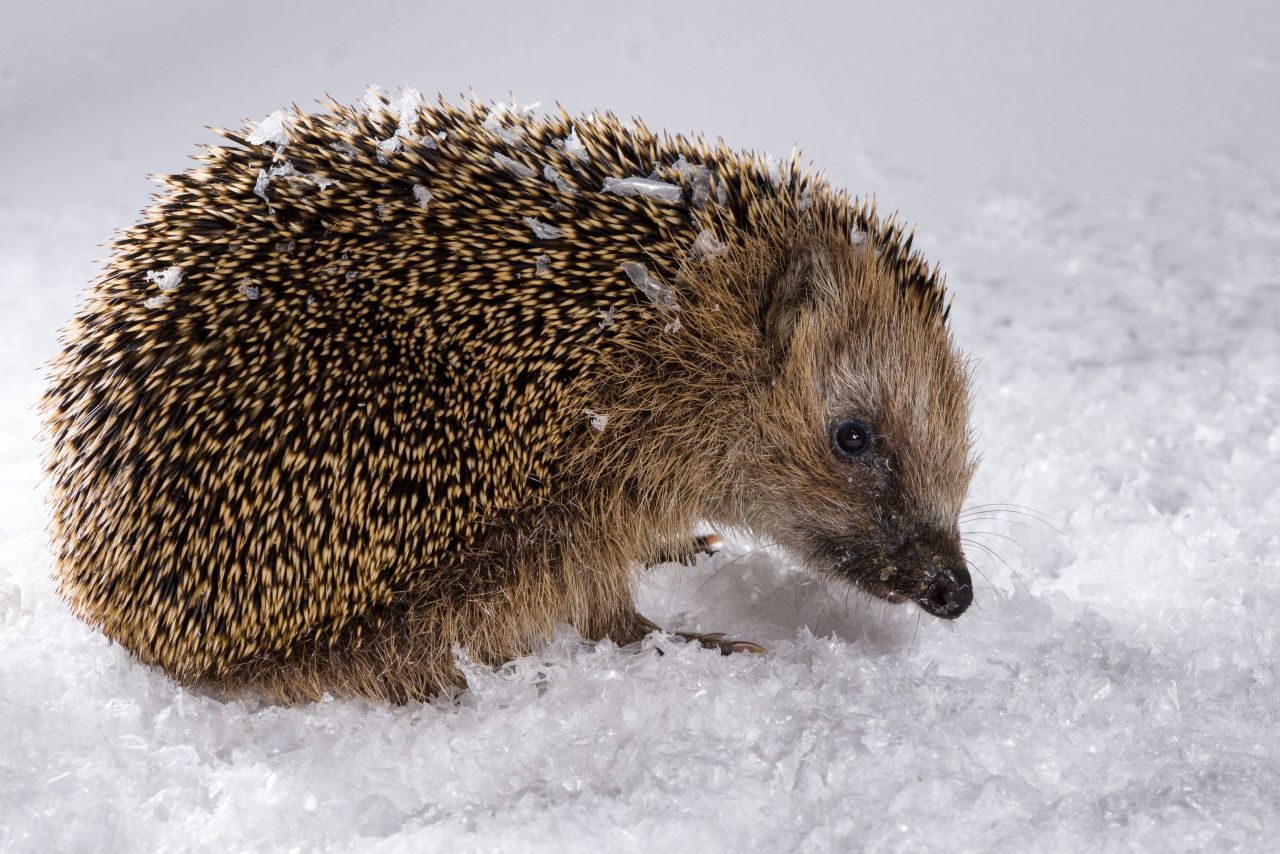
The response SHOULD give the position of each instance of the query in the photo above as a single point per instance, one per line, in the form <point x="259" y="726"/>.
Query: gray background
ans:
<point x="920" y="104"/>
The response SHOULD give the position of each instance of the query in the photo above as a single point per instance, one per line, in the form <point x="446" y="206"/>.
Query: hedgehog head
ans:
<point x="861" y="457"/>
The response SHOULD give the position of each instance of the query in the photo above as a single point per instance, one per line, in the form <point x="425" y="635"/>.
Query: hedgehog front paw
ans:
<point x="687" y="553"/>
<point x="717" y="640"/>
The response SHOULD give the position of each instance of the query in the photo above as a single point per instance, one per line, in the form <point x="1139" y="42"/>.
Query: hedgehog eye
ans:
<point x="851" y="439"/>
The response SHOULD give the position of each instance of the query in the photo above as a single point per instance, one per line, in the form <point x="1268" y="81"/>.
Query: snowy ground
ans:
<point x="1104" y="191"/>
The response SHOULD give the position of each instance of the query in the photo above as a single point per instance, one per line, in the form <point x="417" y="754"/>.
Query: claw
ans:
<point x="746" y="646"/>
<point x="717" y="640"/>
<point x="708" y="544"/>
<point x="687" y="554"/>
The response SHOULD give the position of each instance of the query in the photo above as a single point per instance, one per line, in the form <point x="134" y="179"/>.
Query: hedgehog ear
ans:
<point x="795" y="291"/>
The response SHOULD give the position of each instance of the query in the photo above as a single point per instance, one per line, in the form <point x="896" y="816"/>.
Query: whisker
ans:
<point x="1002" y="536"/>
<point x="997" y="556"/>
<point x="974" y="567"/>
<point x="730" y="563"/>
<point x="1017" y="508"/>
<point x="1034" y="515"/>
<point x="972" y="519"/>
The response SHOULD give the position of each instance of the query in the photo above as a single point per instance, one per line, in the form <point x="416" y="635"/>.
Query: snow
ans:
<point x="286" y="169"/>
<point x="706" y="245"/>
<point x="422" y="196"/>
<point x="166" y="279"/>
<point x="561" y="184"/>
<point x="274" y="129"/>
<point x="700" y="177"/>
<point x="515" y="167"/>
<point x="389" y="146"/>
<point x="648" y="187"/>
<point x="514" y="111"/>
<point x="406" y="111"/>
<point x="652" y="288"/>
<point x="374" y="98"/>
<point x="261" y="184"/>
<point x="1100" y="187"/>
<point x="572" y="145"/>
<point x="344" y="148"/>
<point x="540" y="229"/>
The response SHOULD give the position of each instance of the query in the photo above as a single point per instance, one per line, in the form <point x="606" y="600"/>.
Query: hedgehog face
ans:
<point x="868" y="416"/>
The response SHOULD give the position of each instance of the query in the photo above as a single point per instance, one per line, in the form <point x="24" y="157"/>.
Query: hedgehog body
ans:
<point x="372" y="383"/>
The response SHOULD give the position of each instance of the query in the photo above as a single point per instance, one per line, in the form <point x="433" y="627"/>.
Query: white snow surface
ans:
<point x="1107" y="211"/>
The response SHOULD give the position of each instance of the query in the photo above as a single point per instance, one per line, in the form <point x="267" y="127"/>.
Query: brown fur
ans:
<point x="388" y="454"/>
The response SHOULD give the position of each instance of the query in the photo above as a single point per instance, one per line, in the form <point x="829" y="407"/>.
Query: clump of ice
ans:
<point x="389" y="146"/>
<point x="515" y="167"/>
<point x="506" y="134"/>
<point x="598" y="420"/>
<point x="554" y="177"/>
<point x="249" y="290"/>
<point x="286" y="169"/>
<point x="344" y="148"/>
<point x="422" y="196"/>
<point x="706" y="245"/>
<point x="857" y="237"/>
<point x="541" y="264"/>
<point x="261" y="184"/>
<point x="374" y="98"/>
<point x="273" y="130"/>
<point x="493" y="122"/>
<point x="157" y="301"/>
<point x="540" y="229"/>
<point x="572" y="146"/>
<point x="606" y="317"/>
<point x="657" y="292"/>
<point x="408" y="111"/>
<point x="779" y="171"/>
<point x="699" y="177"/>
<point x="166" y="279"/>
<point x="647" y="187"/>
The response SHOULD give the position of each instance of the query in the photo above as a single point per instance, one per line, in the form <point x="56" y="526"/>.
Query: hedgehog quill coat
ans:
<point x="371" y="383"/>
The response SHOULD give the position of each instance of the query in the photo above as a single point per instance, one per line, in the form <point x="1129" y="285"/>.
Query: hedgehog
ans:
<point x="372" y="384"/>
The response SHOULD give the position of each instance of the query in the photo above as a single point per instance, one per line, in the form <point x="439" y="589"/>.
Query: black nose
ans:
<point x="948" y="594"/>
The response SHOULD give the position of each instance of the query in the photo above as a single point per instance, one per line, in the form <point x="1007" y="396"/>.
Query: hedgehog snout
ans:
<point x="946" y="592"/>
<point x="926" y="567"/>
